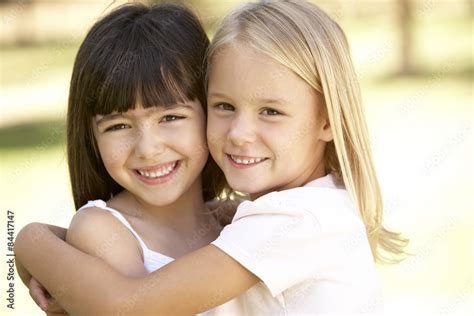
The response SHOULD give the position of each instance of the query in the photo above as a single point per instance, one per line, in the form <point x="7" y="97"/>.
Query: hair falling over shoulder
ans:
<point x="300" y="36"/>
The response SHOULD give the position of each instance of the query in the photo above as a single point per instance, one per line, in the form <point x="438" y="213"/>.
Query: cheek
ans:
<point x="192" y="138"/>
<point x="306" y="143"/>
<point x="281" y="140"/>
<point x="212" y="141"/>
<point x="291" y="142"/>
<point x="199" y="144"/>
<point x="216" y="131"/>
<point x="113" y="152"/>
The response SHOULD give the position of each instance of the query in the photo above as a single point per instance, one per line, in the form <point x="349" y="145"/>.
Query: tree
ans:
<point x="405" y="21"/>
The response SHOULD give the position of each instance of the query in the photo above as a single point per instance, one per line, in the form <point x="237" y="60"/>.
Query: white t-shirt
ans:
<point x="309" y="247"/>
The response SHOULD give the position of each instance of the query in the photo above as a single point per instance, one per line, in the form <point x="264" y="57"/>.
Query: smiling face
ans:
<point x="266" y="127"/>
<point x="157" y="154"/>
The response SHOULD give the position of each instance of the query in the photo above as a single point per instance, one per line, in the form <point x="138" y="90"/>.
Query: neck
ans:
<point x="183" y="215"/>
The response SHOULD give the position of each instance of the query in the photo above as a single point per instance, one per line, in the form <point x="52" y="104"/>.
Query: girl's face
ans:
<point x="158" y="153"/>
<point x="266" y="127"/>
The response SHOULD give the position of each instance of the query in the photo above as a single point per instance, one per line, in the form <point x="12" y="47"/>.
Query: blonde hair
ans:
<point x="306" y="40"/>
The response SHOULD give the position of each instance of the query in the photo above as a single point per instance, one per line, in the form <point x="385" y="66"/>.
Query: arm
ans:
<point x="196" y="282"/>
<point x="98" y="233"/>
<point x="25" y="276"/>
<point x="47" y="257"/>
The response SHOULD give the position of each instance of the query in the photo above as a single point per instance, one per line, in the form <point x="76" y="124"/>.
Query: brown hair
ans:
<point x="151" y="54"/>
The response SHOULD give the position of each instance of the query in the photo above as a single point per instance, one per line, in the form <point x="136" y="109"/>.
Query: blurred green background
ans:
<point x="415" y="63"/>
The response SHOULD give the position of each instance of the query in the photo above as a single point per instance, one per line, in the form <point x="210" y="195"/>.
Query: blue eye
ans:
<point x="225" y="107"/>
<point x="117" y="127"/>
<point x="171" y="118"/>
<point x="270" y="112"/>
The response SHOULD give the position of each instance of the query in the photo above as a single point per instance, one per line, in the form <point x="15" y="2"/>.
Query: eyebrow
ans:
<point x="113" y="116"/>
<point x="257" y="100"/>
<point x="271" y="101"/>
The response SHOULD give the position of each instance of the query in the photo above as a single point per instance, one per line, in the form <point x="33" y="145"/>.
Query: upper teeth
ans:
<point x="158" y="173"/>
<point x="246" y="161"/>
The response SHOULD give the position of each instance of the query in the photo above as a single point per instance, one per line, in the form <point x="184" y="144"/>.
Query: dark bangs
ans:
<point x="151" y="59"/>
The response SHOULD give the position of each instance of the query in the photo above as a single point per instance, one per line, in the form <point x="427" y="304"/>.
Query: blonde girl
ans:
<point x="285" y="124"/>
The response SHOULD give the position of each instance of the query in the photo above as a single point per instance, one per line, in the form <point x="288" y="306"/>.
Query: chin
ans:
<point x="246" y="187"/>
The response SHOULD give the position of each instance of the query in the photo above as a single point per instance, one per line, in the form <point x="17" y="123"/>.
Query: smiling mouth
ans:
<point x="155" y="173"/>
<point x="246" y="161"/>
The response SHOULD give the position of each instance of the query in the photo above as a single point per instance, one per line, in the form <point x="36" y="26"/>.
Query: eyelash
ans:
<point x="175" y="118"/>
<point x="273" y="111"/>
<point x="164" y="119"/>
<point x="116" y="127"/>
<point x="221" y="106"/>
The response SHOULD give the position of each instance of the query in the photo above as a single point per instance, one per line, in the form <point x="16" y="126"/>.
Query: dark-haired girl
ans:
<point x="139" y="165"/>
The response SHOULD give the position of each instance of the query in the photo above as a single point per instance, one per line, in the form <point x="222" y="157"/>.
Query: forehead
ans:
<point x="241" y="71"/>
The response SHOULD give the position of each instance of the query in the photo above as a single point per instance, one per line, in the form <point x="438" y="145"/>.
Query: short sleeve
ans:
<point x="275" y="239"/>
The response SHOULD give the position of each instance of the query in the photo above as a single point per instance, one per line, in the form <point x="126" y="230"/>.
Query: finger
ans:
<point x="37" y="294"/>
<point x="52" y="301"/>
<point x="54" y="307"/>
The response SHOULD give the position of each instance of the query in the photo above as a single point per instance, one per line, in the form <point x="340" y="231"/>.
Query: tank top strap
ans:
<point x="101" y="204"/>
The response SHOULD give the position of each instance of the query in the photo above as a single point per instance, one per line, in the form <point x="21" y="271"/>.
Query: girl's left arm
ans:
<point x="25" y="276"/>
<point x="83" y="284"/>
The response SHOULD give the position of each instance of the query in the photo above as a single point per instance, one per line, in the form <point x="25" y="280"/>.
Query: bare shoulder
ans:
<point x="98" y="233"/>
<point x="96" y="221"/>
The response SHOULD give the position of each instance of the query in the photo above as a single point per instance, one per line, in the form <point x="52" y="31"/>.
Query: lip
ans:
<point x="242" y="166"/>
<point x="157" y="180"/>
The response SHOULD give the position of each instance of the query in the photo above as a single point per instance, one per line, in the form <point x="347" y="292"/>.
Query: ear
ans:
<point x="326" y="132"/>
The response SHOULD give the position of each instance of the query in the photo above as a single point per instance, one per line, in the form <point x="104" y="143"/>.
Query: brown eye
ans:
<point x="171" y="118"/>
<point x="117" y="127"/>
<point x="270" y="112"/>
<point x="225" y="107"/>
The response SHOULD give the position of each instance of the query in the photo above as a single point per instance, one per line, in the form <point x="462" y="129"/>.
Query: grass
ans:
<point x="33" y="135"/>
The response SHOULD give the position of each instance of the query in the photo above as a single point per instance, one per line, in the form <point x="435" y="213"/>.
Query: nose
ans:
<point x="148" y="144"/>
<point x="242" y="130"/>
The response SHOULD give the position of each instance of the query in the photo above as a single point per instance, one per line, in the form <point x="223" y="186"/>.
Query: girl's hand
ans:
<point x="224" y="210"/>
<point x="54" y="309"/>
<point x="38" y="293"/>
<point x="44" y="300"/>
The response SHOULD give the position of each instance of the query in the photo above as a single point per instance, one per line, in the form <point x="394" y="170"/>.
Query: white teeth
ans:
<point x="157" y="174"/>
<point x="246" y="161"/>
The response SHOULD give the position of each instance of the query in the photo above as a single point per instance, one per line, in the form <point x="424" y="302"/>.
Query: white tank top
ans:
<point x="152" y="260"/>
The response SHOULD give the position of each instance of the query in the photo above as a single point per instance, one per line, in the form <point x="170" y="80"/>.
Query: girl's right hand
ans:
<point x="224" y="210"/>
<point x="44" y="300"/>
